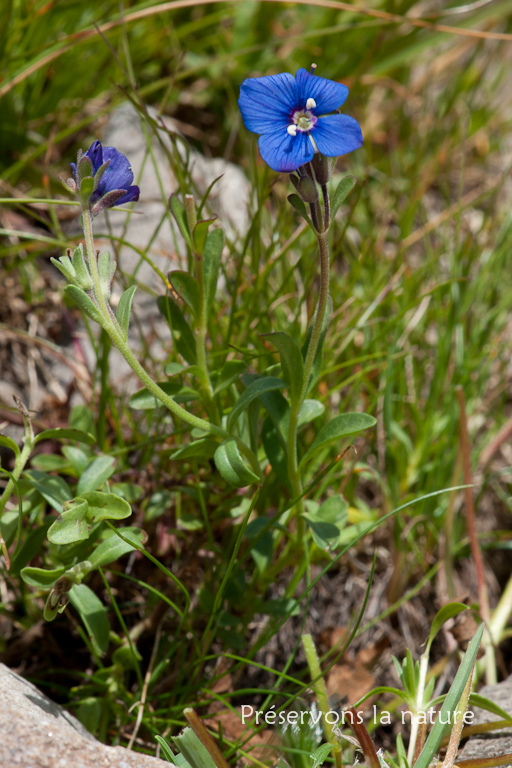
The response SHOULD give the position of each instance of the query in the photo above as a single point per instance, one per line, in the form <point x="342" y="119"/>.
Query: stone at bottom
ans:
<point x="36" y="733"/>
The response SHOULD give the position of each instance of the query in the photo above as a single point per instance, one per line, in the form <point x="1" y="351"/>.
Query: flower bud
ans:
<point x="307" y="190"/>
<point x="323" y="167"/>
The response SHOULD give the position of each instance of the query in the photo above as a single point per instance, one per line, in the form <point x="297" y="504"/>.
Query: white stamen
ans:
<point x="292" y="130"/>
<point x="310" y="104"/>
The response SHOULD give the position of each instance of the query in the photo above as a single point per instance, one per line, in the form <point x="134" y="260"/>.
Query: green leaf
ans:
<point x="29" y="549"/>
<point x="231" y="465"/>
<point x="85" y="303"/>
<point x="212" y="255"/>
<point x="187" y="289"/>
<point x="80" y="266"/>
<point x="40" y="577"/>
<point x="71" y="524"/>
<point x="279" y="411"/>
<point x="181" y="333"/>
<point x="321" y="754"/>
<point x="342" y="191"/>
<point x="231" y="371"/>
<point x="328" y="521"/>
<point x="106" y="505"/>
<point x="341" y="426"/>
<point x="447" y="612"/>
<point x="196" y="755"/>
<point x="66" y="434"/>
<point x="180" y="215"/>
<point x="482" y="702"/>
<point x="317" y="362"/>
<point x="256" y="388"/>
<point x="86" y="189"/>
<point x="175" y="369"/>
<point x="8" y="443"/>
<point x="78" y="459"/>
<point x="54" y="489"/>
<point x="49" y="462"/>
<point x="124" y="309"/>
<point x="274" y="449"/>
<point x="81" y="418"/>
<point x="291" y="362"/>
<point x="113" y="548"/>
<point x="93" y="614"/>
<point x="262" y="549"/>
<point x="450" y="703"/>
<point x="98" y="471"/>
<point x="310" y="410"/>
<point x="200" y="233"/>
<point x="106" y="271"/>
<point x="201" y="449"/>
<point x="300" y="206"/>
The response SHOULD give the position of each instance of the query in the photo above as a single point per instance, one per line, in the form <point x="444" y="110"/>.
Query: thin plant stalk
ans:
<point x="111" y="326"/>
<point x="483" y="598"/>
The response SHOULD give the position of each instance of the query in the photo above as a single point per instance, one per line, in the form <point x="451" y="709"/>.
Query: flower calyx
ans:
<point x="323" y="167"/>
<point x="305" y="187"/>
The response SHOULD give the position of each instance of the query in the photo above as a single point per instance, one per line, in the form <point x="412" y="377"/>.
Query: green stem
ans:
<point x="318" y="686"/>
<point x="293" y="469"/>
<point x="19" y="465"/>
<point x="111" y="326"/>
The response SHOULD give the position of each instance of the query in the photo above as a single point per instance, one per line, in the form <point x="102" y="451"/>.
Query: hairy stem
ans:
<point x="293" y="469"/>
<point x="112" y="328"/>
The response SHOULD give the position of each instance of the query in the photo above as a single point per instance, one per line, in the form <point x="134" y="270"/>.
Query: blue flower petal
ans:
<point x="283" y="152"/>
<point x="95" y="155"/>
<point x="337" y="135"/>
<point x="268" y="103"/>
<point x="327" y="94"/>
<point x="118" y="174"/>
<point x="131" y="194"/>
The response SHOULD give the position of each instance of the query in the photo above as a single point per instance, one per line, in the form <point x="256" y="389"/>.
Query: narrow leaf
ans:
<point x="113" y="548"/>
<point x="124" y="309"/>
<point x="443" y="722"/>
<point x="181" y="332"/>
<point x="256" y="388"/>
<point x="85" y="303"/>
<point x="187" y="289"/>
<point x="180" y="215"/>
<point x="212" y="255"/>
<point x="231" y="370"/>
<point x="291" y="361"/>
<point x="93" y="614"/>
<point x="65" y="433"/>
<point x="447" y="612"/>
<point x="7" y="442"/>
<point x="342" y="191"/>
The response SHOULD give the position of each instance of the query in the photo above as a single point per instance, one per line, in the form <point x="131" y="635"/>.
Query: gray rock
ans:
<point x="36" y="733"/>
<point x="493" y="743"/>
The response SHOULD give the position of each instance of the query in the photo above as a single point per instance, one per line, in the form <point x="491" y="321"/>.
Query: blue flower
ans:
<point x="292" y="116"/>
<point x="112" y="174"/>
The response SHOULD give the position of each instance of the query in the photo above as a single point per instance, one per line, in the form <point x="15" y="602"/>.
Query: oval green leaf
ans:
<point x="98" y="471"/>
<point x="341" y="426"/>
